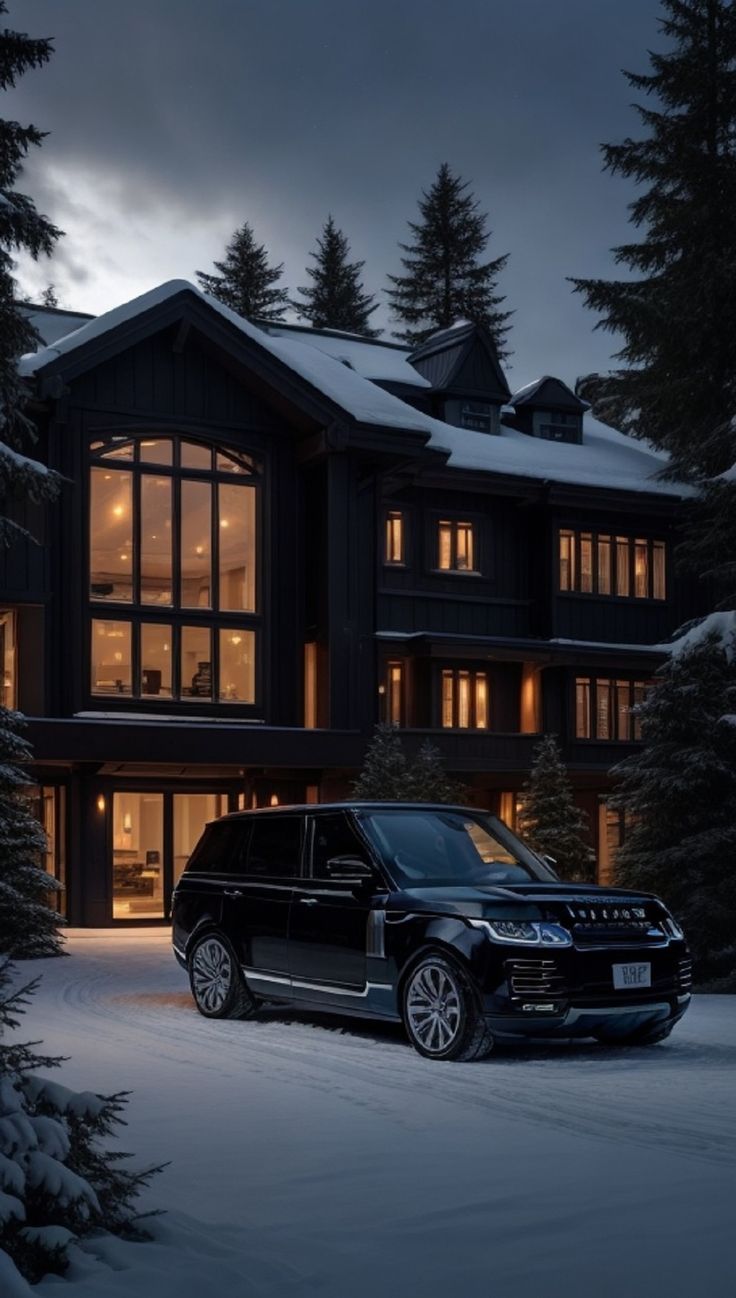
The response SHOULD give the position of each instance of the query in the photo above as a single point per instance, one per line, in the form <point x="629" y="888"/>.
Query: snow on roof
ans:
<point x="373" y="360"/>
<point x="605" y="458"/>
<point x="51" y="322"/>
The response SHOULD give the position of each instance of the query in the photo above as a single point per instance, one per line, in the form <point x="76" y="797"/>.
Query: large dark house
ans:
<point x="272" y="536"/>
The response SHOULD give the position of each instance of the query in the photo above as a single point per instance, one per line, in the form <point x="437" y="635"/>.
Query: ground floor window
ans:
<point x="153" y="836"/>
<point x="48" y="803"/>
<point x="611" y="835"/>
<point x="8" y="658"/>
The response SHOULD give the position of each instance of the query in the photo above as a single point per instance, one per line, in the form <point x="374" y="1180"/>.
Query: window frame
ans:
<point x="473" y="674"/>
<point x="455" y="521"/>
<point x="389" y="516"/>
<point x="593" y="689"/>
<point x="176" y="616"/>
<point x="618" y="575"/>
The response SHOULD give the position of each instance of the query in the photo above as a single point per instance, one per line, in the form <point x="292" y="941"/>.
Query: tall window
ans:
<point x="603" y="708"/>
<point x="392" y="691"/>
<point x="603" y="564"/>
<point x="456" y="547"/>
<point x="8" y="658"/>
<point x="465" y="700"/>
<point x="173" y="570"/>
<point x="394" y="538"/>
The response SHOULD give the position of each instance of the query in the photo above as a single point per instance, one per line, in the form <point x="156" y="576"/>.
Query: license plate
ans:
<point x="632" y="975"/>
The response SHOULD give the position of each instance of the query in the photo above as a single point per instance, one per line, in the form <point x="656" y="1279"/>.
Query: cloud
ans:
<point x="173" y="122"/>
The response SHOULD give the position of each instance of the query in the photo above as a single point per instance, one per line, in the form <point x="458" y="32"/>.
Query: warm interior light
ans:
<point x="123" y="556"/>
<point x="101" y="802"/>
<point x="127" y="823"/>
<point x="274" y="800"/>
<point x="118" y="510"/>
<point x="224" y="522"/>
<point x="235" y="639"/>
<point x="199" y="549"/>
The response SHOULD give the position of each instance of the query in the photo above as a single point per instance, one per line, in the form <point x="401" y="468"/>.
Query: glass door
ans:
<point x="138" y="855"/>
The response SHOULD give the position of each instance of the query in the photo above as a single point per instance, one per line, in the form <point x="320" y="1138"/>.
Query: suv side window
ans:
<point x="334" y="836"/>
<point x="275" y="846"/>
<point x="221" y="849"/>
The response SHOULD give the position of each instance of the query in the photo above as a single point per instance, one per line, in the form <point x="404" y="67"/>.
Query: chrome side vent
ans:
<point x="685" y="975"/>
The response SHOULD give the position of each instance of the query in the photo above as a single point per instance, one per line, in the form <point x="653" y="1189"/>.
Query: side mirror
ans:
<point x="348" y="869"/>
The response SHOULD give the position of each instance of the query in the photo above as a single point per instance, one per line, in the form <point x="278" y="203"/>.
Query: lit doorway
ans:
<point x="153" y="835"/>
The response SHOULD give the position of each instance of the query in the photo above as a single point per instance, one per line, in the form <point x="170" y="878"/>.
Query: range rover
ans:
<point x="435" y="916"/>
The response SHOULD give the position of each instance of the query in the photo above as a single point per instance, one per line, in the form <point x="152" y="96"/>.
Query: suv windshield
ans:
<point x="443" y="847"/>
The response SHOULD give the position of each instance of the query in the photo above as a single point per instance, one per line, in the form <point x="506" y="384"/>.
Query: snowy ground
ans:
<point x="329" y="1159"/>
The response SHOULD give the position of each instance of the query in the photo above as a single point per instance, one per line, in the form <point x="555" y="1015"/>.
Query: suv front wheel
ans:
<point x="217" y="984"/>
<point x="441" y="1013"/>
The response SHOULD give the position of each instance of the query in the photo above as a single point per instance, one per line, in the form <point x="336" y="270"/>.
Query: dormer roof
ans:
<point x="462" y="359"/>
<point x="548" y="393"/>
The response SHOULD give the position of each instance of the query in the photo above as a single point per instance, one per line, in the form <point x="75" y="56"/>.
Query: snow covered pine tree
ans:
<point x="28" y="927"/>
<point x="680" y="794"/>
<point x="56" y="1184"/>
<point x="384" y="777"/>
<point x="550" y="820"/>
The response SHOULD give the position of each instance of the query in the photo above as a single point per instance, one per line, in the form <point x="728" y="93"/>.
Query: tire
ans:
<point x="643" y="1037"/>
<point x="216" y="981"/>
<point x="441" y="1014"/>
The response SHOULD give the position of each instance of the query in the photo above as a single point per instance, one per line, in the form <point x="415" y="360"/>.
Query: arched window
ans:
<point x="173" y="569"/>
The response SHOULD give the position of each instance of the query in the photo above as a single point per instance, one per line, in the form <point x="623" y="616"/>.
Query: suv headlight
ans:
<point x="523" y="932"/>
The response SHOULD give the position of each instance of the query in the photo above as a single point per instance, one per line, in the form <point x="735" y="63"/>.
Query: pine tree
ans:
<point x="246" y="282"/>
<point x="444" y="279"/>
<point x="427" y="780"/>
<point x="550" y="820"/>
<point x="336" y="298"/>
<point x="385" y="776"/>
<point x="680" y="795"/>
<point x="56" y="1183"/>
<point x="21" y="228"/>
<point x="49" y="297"/>
<point x="29" y="927"/>
<point x="677" y="315"/>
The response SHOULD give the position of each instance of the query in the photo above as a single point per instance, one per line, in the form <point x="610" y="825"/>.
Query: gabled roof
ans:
<point x="462" y="358"/>
<point x="548" y="391"/>
<point x="605" y="459"/>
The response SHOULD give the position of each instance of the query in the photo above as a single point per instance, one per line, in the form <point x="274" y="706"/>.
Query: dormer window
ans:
<point x="477" y="415"/>
<point x="557" y="426"/>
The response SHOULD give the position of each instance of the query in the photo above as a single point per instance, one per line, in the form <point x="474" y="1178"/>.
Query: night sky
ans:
<point x="173" y="121"/>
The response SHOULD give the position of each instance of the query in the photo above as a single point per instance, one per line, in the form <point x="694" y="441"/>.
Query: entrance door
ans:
<point x="327" y="928"/>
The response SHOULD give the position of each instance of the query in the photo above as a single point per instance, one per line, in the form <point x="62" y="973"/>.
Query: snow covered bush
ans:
<point x="57" y="1183"/>
<point x="29" y="927"/>
<point x="680" y="793"/>
<point x="550" y="820"/>
<point x="388" y="777"/>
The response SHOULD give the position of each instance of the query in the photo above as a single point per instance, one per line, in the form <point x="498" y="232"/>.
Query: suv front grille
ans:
<point x="618" y="932"/>
<point x="534" y="978"/>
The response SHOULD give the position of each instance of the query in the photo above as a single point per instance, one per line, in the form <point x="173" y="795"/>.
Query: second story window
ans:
<point x="394" y="538"/>
<point x="173" y="569"/>
<point x="464" y="700"/>
<point x="603" y="708"/>
<point x="597" y="563"/>
<point x="456" y="546"/>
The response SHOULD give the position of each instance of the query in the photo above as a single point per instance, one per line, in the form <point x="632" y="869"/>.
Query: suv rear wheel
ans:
<point x="441" y="1013"/>
<point x="217" y="984"/>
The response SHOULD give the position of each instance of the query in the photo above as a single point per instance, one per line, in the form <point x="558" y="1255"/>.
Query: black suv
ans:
<point x="436" y="916"/>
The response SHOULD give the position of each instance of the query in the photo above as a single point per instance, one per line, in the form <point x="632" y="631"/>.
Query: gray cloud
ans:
<point x="172" y="122"/>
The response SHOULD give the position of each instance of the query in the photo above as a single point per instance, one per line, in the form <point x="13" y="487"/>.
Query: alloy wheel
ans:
<point x="211" y="975"/>
<point x="434" y="1008"/>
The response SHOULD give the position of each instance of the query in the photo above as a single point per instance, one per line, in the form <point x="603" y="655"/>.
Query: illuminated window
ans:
<point x="173" y="530"/>
<point x="8" y="658"/>
<point x="393" y="694"/>
<point x="465" y="700"/>
<point x="604" y="708"/>
<point x="310" y="685"/>
<point x="394" y="540"/>
<point x="599" y="564"/>
<point x="455" y="546"/>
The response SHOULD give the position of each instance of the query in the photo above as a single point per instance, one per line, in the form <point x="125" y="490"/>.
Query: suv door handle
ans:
<point x="308" y="901"/>
<point x="232" y="892"/>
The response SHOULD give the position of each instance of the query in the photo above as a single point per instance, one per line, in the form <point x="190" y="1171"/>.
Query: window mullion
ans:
<point x="215" y="549"/>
